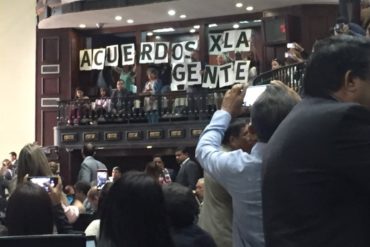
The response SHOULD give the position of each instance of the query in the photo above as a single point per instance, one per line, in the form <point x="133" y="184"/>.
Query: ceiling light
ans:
<point x="238" y="5"/>
<point x="149" y="33"/>
<point x="197" y="26"/>
<point x="118" y="18"/>
<point x="212" y="25"/>
<point x="192" y="30"/>
<point x="82" y="26"/>
<point x="249" y="8"/>
<point x="171" y="12"/>
<point x="157" y="37"/>
<point x="257" y="21"/>
<point x="236" y="26"/>
<point x="164" y="30"/>
<point x="182" y="16"/>
<point x="149" y="147"/>
<point x="243" y="22"/>
<point x="130" y="21"/>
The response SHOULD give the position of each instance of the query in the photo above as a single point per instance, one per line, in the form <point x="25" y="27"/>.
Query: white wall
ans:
<point x="17" y="74"/>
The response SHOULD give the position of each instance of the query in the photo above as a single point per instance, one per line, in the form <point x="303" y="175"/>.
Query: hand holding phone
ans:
<point x="101" y="177"/>
<point x="252" y="94"/>
<point x="44" y="181"/>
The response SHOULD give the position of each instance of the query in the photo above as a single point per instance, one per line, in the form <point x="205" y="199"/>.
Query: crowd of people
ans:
<point x="295" y="174"/>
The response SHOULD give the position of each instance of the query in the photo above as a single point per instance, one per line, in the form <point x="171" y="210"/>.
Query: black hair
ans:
<point x="102" y="198"/>
<point x="233" y="130"/>
<point x="181" y="205"/>
<point x="134" y="214"/>
<point x="270" y="109"/>
<point x="13" y="154"/>
<point x="88" y="149"/>
<point x="183" y="149"/>
<point x="34" y="218"/>
<point x="332" y="58"/>
<point x="83" y="187"/>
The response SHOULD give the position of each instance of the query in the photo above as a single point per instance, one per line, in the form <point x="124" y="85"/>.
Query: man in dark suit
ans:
<point x="316" y="178"/>
<point x="90" y="165"/>
<point x="190" y="171"/>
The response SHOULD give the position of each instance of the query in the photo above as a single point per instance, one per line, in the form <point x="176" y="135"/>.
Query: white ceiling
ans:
<point x="157" y="12"/>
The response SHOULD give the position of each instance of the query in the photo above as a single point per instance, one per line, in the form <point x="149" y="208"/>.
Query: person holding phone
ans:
<point x="33" y="163"/>
<point x="240" y="172"/>
<point x="43" y="210"/>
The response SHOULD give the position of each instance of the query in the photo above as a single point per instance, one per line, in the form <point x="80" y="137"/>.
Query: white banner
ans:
<point x="128" y="54"/>
<point x="112" y="55"/>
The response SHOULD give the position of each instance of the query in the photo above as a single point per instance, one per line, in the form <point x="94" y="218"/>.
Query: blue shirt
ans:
<point x="240" y="174"/>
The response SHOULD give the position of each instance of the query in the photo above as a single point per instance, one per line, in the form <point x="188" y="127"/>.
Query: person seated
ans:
<point x="102" y="104"/>
<point x="276" y="63"/>
<point x="80" y="107"/>
<point x="119" y="98"/>
<point x="182" y="211"/>
<point x="43" y="210"/>
<point x="81" y="190"/>
<point x="93" y="228"/>
<point x="127" y="74"/>
<point x="116" y="173"/>
<point x="134" y="214"/>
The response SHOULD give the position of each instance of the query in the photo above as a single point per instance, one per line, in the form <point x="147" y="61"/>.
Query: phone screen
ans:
<point x="252" y="94"/>
<point x="101" y="177"/>
<point x="290" y="45"/>
<point x="44" y="181"/>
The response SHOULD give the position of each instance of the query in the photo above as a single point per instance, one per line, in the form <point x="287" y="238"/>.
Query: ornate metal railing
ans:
<point x="172" y="106"/>
<point x="291" y="75"/>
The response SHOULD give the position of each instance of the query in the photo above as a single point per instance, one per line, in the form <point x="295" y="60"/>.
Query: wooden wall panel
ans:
<point x="50" y="49"/>
<point x="50" y="86"/>
<point x="48" y="121"/>
<point x="54" y="47"/>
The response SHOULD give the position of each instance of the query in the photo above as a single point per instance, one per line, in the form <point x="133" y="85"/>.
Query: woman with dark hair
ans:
<point x="36" y="217"/>
<point x="134" y="214"/>
<point x="43" y="210"/>
<point x="32" y="161"/>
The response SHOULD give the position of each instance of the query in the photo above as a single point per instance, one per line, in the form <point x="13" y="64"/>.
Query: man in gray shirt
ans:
<point x="89" y="165"/>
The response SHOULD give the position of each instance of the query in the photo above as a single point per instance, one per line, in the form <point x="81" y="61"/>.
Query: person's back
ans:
<point x="182" y="209"/>
<point x="315" y="179"/>
<point x="237" y="171"/>
<point x="216" y="213"/>
<point x="89" y="166"/>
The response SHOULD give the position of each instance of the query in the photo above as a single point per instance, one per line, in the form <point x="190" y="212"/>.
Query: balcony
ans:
<point x="179" y="118"/>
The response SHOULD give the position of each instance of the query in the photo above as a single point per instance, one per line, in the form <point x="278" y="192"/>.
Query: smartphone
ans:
<point x="252" y="94"/>
<point x="44" y="181"/>
<point x="290" y="45"/>
<point x="101" y="178"/>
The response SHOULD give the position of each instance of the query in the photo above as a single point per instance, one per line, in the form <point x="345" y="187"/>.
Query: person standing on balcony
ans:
<point x="152" y="89"/>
